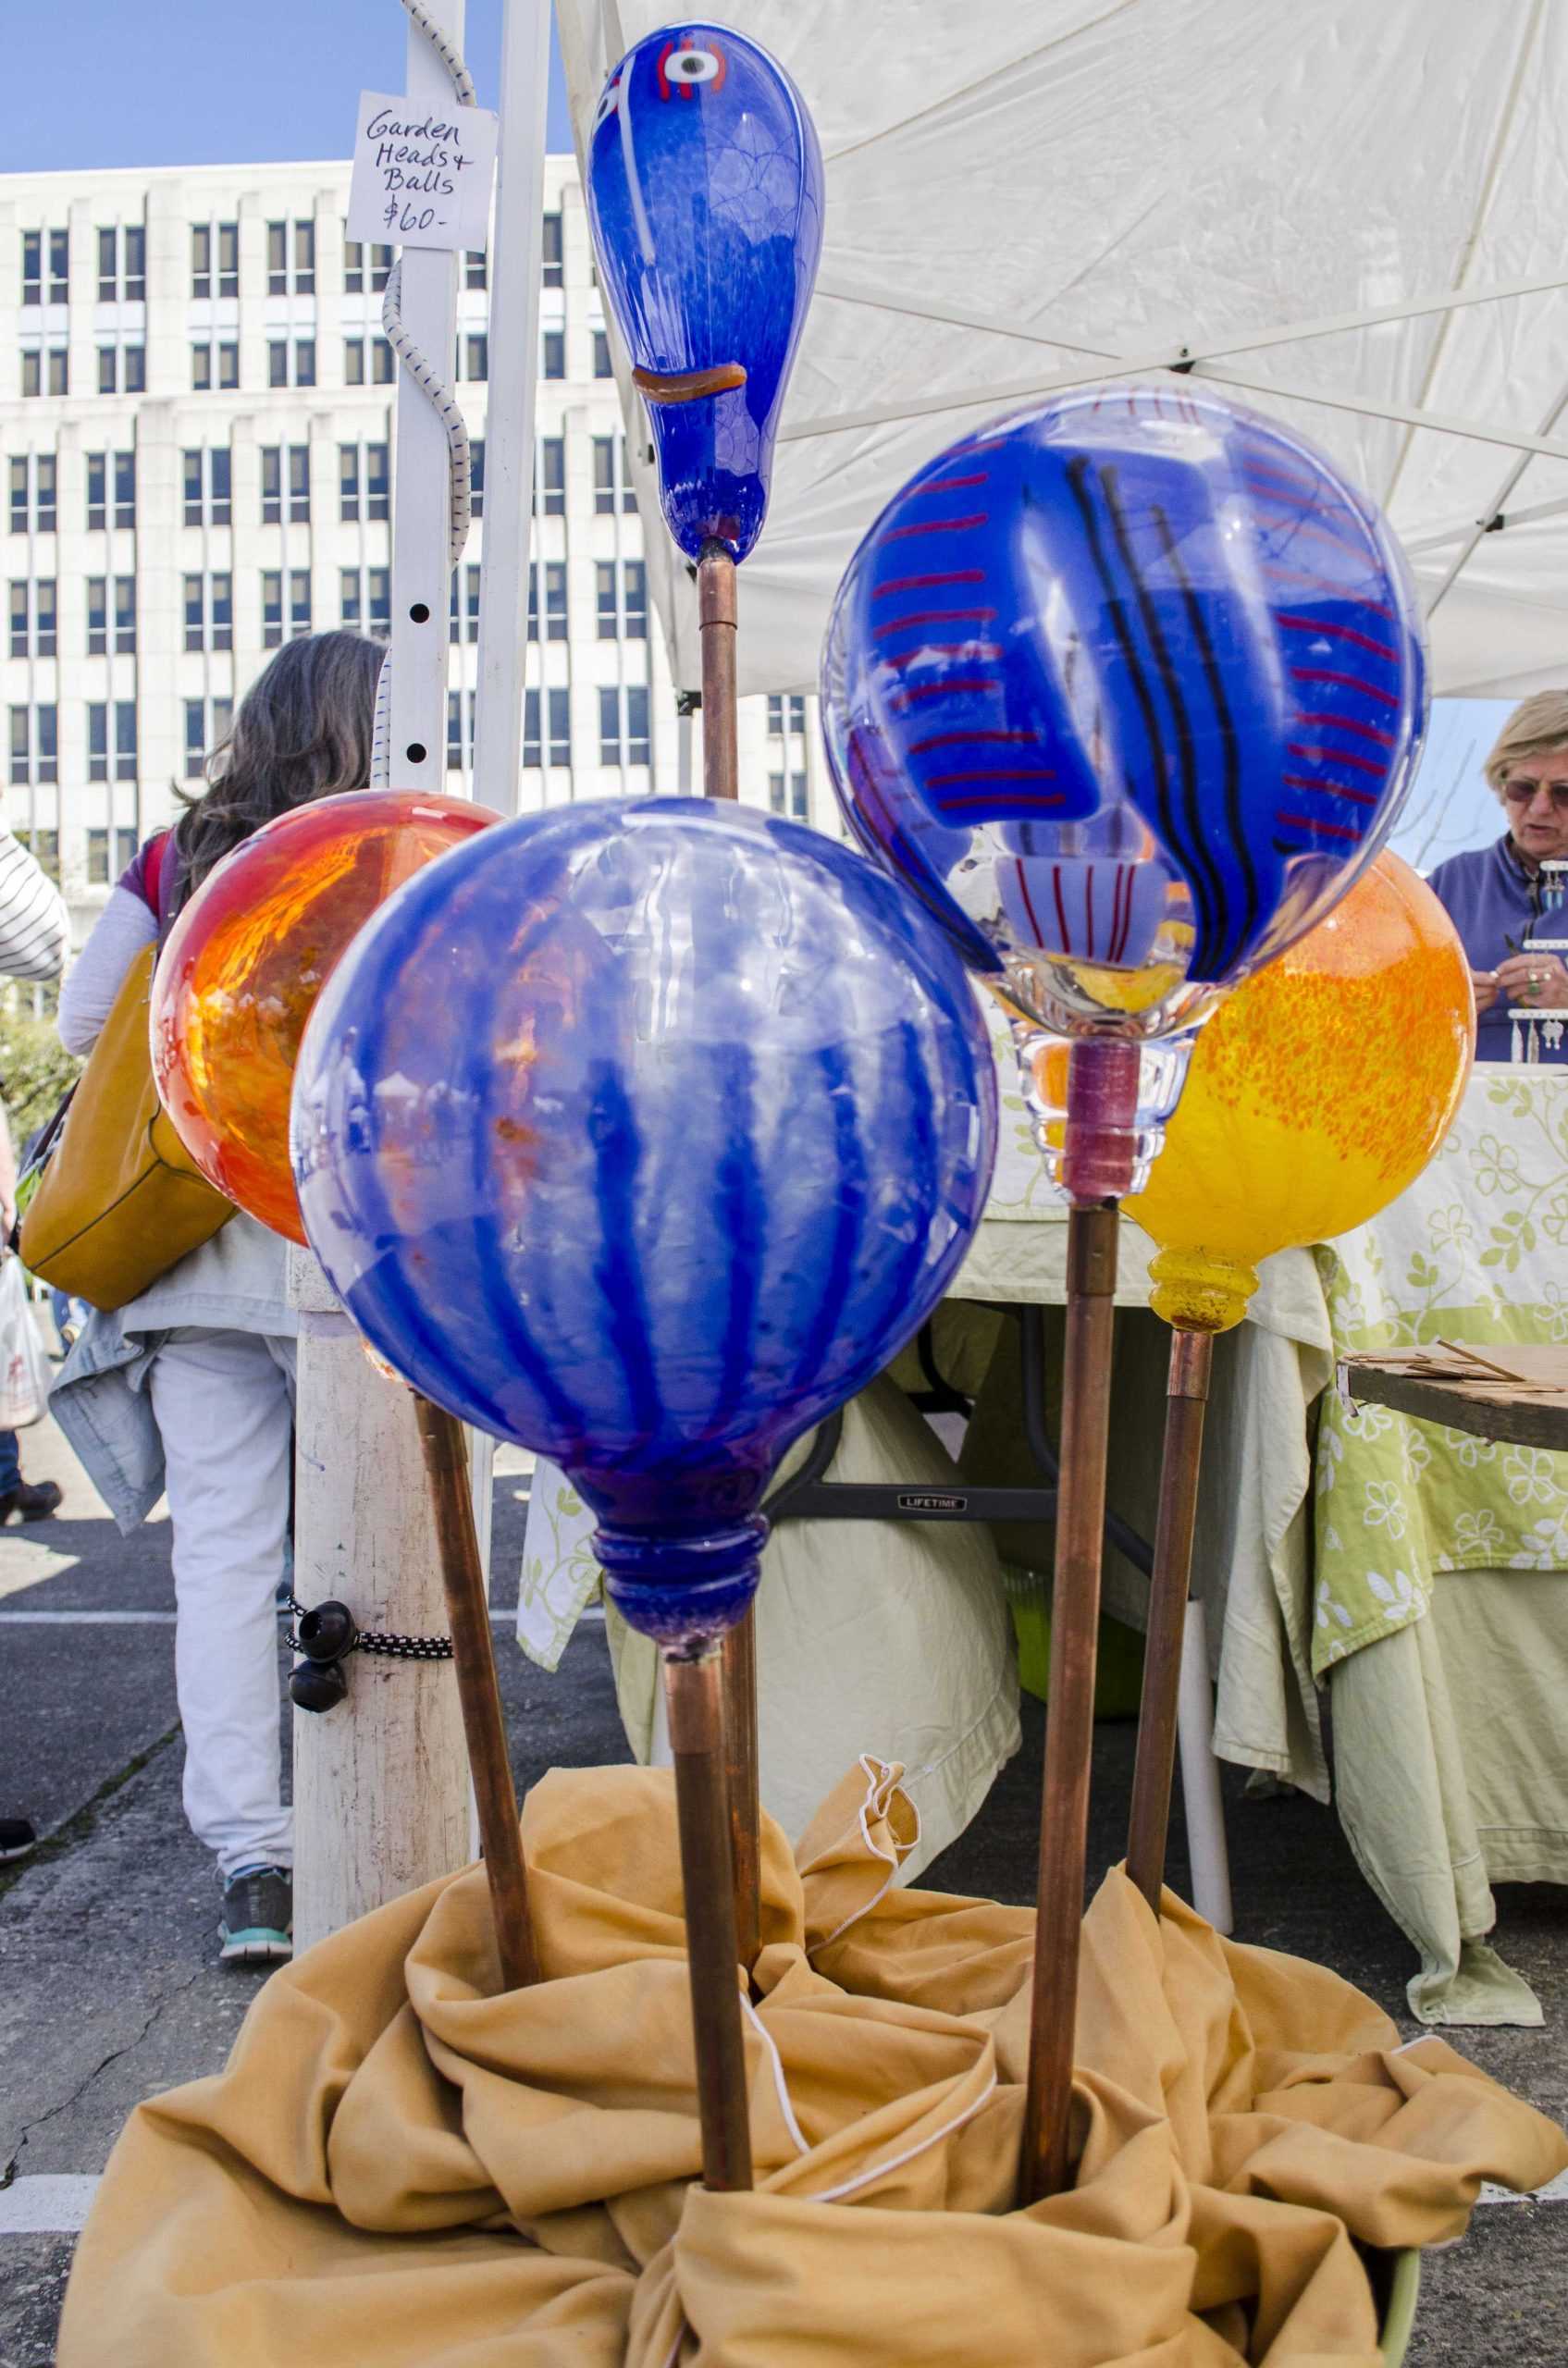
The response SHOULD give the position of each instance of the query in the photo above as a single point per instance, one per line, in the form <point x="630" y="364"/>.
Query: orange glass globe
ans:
<point x="1318" y="1090"/>
<point x="247" y="958"/>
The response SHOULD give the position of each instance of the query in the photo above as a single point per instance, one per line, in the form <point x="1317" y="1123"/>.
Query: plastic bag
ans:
<point x="24" y="1369"/>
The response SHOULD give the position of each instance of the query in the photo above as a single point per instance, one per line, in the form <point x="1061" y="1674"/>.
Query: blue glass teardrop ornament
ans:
<point x="645" y="1140"/>
<point x="1128" y="690"/>
<point x="705" y="196"/>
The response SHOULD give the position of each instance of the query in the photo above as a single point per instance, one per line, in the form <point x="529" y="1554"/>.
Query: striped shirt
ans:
<point x="34" y="932"/>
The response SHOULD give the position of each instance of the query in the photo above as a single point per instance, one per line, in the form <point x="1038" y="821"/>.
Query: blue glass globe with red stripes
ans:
<point x="1131" y="684"/>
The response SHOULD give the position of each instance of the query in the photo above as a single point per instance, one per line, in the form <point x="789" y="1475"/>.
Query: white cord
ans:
<point x="381" y="729"/>
<point x="426" y="378"/>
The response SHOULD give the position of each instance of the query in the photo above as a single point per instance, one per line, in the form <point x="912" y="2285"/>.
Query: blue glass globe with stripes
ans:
<point x="645" y="1135"/>
<point x="1128" y="691"/>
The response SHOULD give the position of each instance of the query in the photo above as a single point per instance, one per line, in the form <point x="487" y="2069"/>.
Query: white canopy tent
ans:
<point x="1352" y="211"/>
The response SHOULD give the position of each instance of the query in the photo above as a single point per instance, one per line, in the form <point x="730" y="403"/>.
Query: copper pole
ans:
<point x="740" y="1663"/>
<point x="716" y="613"/>
<point x="484" y="1725"/>
<point x="720" y="778"/>
<point x="1069" y="1710"/>
<point x="693" y="1699"/>
<point x="1186" y="1390"/>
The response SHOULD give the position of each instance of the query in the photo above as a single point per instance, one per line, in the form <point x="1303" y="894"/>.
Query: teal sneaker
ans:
<point x="257" y="1924"/>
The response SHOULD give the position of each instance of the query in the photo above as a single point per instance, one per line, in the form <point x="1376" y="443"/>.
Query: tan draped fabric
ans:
<point x="399" y="2167"/>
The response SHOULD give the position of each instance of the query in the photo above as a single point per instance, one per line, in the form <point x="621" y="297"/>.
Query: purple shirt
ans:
<point x="1491" y="898"/>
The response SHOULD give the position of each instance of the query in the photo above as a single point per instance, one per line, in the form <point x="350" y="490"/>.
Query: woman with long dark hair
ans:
<point x="190" y="1388"/>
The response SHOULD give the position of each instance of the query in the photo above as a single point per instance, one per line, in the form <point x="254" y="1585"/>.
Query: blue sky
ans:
<point x="214" y="81"/>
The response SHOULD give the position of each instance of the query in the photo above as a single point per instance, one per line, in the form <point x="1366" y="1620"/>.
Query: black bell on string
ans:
<point x="327" y="1632"/>
<point x="317" y="1685"/>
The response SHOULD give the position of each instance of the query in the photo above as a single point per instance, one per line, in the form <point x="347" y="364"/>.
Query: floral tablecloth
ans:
<point x="1476" y="1250"/>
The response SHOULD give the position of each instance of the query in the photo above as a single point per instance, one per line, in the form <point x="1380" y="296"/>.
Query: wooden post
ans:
<point x="693" y="1695"/>
<point x="381" y="1799"/>
<point x="1096" y="1170"/>
<point x="381" y="1782"/>
<point x="462" y="1573"/>
<point x="720" y="778"/>
<point x="1192" y="1360"/>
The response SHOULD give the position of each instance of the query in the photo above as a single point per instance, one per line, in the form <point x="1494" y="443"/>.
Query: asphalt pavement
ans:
<point x="110" y="1992"/>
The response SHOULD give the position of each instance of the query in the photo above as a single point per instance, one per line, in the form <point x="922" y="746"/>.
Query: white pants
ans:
<point x="224" y="1403"/>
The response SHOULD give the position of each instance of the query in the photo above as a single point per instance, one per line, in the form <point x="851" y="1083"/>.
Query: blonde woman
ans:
<point x="1493" y="894"/>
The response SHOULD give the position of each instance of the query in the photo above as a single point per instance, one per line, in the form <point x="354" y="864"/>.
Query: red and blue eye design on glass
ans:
<point x="646" y="1140"/>
<point x="1132" y="684"/>
<point x="705" y="196"/>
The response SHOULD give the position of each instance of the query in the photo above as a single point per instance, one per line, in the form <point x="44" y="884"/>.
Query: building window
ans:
<point x="623" y="725"/>
<point x="59" y="266"/>
<point x="125" y="739"/>
<point x="553" y="346"/>
<point x="348" y="611"/>
<point x="32" y="267"/>
<point x="209" y="611"/>
<point x="554" y="574"/>
<point x="366" y="602"/>
<point x="45" y="372"/>
<point x="298" y="602"/>
<point x="59" y="250"/>
<point x="226" y="282"/>
<point x="133" y="369"/>
<point x="59" y="370"/>
<point x="298" y="356"/>
<point x="355" y="267"/>
<point x="208" y="486"/>
<point x="474" y="272"/>
<point x="97" y="615"/>
<point x="97" y="858"/>
<point x="122" y="266"/>
<point x="476" y="357"/>
<point x="785" y="715"/>
<point x="278" y="278"/>
<point x="362" y="482"/>
<point x="557" y="750"/>
<point x="108" y="358"/>
<point x="272" y="609"/>
<point x="206" y="728"/>
<point x="124" y="480"/>
<point x="35" y="746"/>
<point x="476" y="474"/>
<point x="550" y="494"/>
<point x="602" y="355"/>
<point x="97" y="741"/>
<point x="553" y="275"/>
<point x="612" y="479"/>
<point x="786" y="795"/>
<point x="464" y="623"/>
<point x="353" y="361"/>
<point x="201" y="367"/>
<point x="21" y="505"/>
<point x="125" y="615"/>
<point x="460" y="730"/>
<point x="32" y="371"/>
<point x="34" y="620"/>
<point x="280" y="464"/>
<point x="623" y="600"/>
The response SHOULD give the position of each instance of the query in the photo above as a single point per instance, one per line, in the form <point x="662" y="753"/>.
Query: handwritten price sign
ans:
<point x="422" y="176"/>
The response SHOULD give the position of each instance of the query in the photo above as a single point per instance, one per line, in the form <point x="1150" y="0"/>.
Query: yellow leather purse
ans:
<point x="119" y="1200"/>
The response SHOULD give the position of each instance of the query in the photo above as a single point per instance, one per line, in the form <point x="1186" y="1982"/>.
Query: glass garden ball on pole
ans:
<point x="705" y="199"/>
<point x="643" y="1135"/>
<point x="1126" y="690"/>
<point x="1318" y="1093"/>
<point x="234" y="988"/>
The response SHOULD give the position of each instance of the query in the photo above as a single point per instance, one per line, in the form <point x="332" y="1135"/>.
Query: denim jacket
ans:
<point x="233" y="1283"/>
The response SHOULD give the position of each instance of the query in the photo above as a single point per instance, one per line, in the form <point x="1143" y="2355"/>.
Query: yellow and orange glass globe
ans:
<point x="1317" y="1093"/>
<point x="246" y="960"/>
